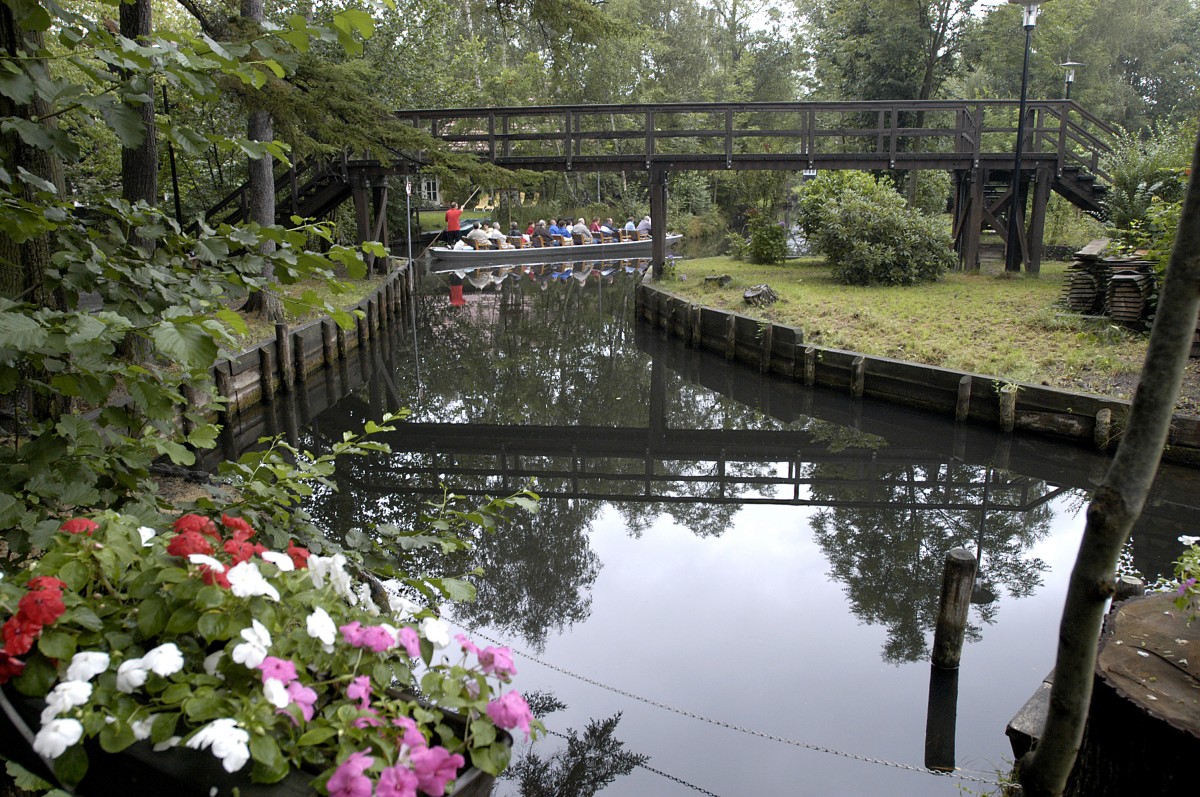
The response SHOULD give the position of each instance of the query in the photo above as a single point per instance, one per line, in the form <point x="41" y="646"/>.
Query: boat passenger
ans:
<point x="644" y="226"/>
<point x="581" y="229"/>
<point x="630" y="225"/>
<point x="542" y="233"/>
<point x="554" y="228"/>
<point x="608" y="228"/>
<point x="514" y="230"/>
<point x="479" y="234"/>
<point x="529" y="230"/>
<point x="595" y="227"/>
<point x="497" y="237"/>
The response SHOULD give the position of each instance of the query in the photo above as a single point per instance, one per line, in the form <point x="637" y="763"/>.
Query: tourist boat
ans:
<point x="547" y="254"/>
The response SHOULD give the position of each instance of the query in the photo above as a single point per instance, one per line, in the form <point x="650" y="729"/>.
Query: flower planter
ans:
<point x="179" y="772"/>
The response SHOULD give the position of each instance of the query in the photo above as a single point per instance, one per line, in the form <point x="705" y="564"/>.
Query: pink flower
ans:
<point x="352" y="633"/>
<point x="1185" y="586"/>
<point x="369" y="719"/>
<point x="349" y="780"/>
<point x="360" y="690"/>
<point x="511" y="711"/>
<point x="434" y="767"/>
<point x="376" y="638"/>
<point x="397" y="781"/>
<point x="413" y="738"/>
<point x="303" y="697"/>
<point x="410" y="641"/>
<point x="281" y="670"/>
<point x="497" y="662"/>
<point x="467" y="645"/>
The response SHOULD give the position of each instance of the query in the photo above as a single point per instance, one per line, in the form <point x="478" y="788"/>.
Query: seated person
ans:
<point x="495" y="235"/>
<point x="554" y="228"/>
<point x="479" y="235"/>
<point x="514" y="231"/>
<point x="643" y="227"/>
<point x="581" y="229"/>
<point x="608" y="228"/>
<point x="630" y="225"/>
<point x="542" y="234"/>
<point x="595" y="227"/>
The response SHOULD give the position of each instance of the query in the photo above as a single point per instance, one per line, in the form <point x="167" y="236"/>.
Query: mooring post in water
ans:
<point x="958" y="576"/>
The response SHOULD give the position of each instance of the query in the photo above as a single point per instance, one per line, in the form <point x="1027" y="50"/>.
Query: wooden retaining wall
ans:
<point x="1093" y="420"/>
<point x="285" y="363"/>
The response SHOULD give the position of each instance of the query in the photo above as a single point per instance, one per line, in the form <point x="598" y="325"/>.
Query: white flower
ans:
<point x="246" y="581"/>
<point x="167" y="744"/>
<point x="87" y="664"/>
<point x="333" y="568"/>
<point x="1187" y="539"/>
<point x="164" y="660"/>
<point x="211" y="661"/>
<point x="131" y="675"/>
<point x="279" y="559"/>
<point x="141" y="728"/>
<point x="276" y="693"/>
<point x="56" y="736"/>
<point x="227" y="740"/>
<point x="66" y="695"/>
<point x="321" y="626"/>
<point x="208" y="561"/>
<point x="254" y="649"/>
<point x="363" y="593"/>
<point x="436" y="630"/>
<point x="147" y="535"/>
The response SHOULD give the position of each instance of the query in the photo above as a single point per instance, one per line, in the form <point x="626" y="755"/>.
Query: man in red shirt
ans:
<point x="453" y="233"/>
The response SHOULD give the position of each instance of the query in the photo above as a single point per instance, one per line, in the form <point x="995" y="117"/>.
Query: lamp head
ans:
<point x="1070" y="67"/>
<point x="1031" y="10"/>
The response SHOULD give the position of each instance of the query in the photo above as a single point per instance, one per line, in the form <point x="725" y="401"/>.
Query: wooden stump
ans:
<point x="1143" y="732"/>
<point x="760" y="296"/>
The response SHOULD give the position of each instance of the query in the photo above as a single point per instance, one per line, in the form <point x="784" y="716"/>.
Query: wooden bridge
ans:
<point x="974" y="140"/>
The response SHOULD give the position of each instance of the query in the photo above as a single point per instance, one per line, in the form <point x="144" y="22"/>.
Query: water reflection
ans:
<point x="631" y="437"/>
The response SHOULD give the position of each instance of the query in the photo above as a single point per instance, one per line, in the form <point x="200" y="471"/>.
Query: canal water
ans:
<point x="743" y="570"/>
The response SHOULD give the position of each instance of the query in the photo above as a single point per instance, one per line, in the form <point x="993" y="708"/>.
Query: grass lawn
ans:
<point x="1009" y="327"/>
<point x="259" y="329"/>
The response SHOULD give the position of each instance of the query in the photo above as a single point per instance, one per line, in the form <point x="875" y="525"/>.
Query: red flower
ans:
<point x="198" y="524"/>
<point x="299" y="555"/>
<point x="79" y="525"/>
<point x="211" y="575"/>
<point x="46" y="582"/>
<point x="242" y="551"/>
<point x="41" y="607"/>
<point x="10" y="667"/>
<point x="240" y="528"/>
<point x="188" y="543"/>
<point x="19" y="635"/>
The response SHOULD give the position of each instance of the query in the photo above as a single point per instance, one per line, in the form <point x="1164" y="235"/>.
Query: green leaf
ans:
<point x="232" y="320"/>
<point x="185" y="343"/>
<point x="71" y="766"/>
<point x="316" y="736"/>
<point x="183" y="620"/>
<point x="152" y="617"/>
<point x="75" y="573"/>
<point x="84" y="616"/>
<point x="116" y="736"/>
<point x="20" y="332"/>
<point x="211" y="626"/>
<point x="163" y="727"/>
<point x="24" y="779"/>
<point x="455" y="589"/>
<point x="176" y="693"/>
<point x="39" y="675"/>
<point x="269" y="764"/>
<point x="57" y="644"/>
<point x="15" y="84"/>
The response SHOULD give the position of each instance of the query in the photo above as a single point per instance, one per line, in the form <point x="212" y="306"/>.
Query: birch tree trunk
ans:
<point x="1116" y="505"/>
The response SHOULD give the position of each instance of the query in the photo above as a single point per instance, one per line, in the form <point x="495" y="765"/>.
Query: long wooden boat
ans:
<point x="548" y="254"/>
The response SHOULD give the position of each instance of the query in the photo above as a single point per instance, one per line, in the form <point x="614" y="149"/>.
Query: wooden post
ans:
<point x="810" y="366"/>
<point x="1128" y="587"/>
<point x="342" y="345"/>
<point x="697" y="332"/>
<point x="958" y="576"/>
<point x="768" y="343"/>
<point x="224" y="382"/>
<point x="730" y="336"/>
<point x="963" y="408"/>
<point x="1008" y="408"/>
<point x="283" y="349"/>
<point x="858" y="376"/>
<point x="329" y="348"/>
<point x="298" y="348"/>
<point x="1103" y="431"/>
<point x="941" y="719"/>
<point x="266" y="373"/>
<point x="189" y="401"/>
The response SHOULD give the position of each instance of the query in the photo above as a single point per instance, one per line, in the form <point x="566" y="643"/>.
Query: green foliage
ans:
<point x="1145" y="168"/>
<point x="868" y="233"/>
<point x="933" y="191"/>
<point x="768" y="240"/>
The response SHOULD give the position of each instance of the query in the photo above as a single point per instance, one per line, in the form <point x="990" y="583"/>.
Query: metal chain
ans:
<point x="646" y="767"/>
<point x="957" y="775"/>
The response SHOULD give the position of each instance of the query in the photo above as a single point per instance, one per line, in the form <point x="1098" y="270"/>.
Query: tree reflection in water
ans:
<point x="888" y="538"/>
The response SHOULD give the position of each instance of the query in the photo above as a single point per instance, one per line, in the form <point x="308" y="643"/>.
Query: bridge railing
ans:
<point x="880" y="134"/>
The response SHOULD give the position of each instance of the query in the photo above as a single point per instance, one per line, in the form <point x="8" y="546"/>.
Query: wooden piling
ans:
<point x="266" y="373"/>
<point x="1103" y="431"/>
<point x="858" y="376"/>
<point x="768" y="343"/>
<point x="810" y="366"/>
<point x="730" y="337"/>
<point x="958" y="576"/>
<point x="329" y="350"/>
<point x="1008" y="408"/>
<point x="697" y="332"/>
<point x="283" y="349"/>
<point x="300" y="358"/>
<point x="1128" y="587"/>
<point x="962" y="409"/>
<point x="224" y="383"/>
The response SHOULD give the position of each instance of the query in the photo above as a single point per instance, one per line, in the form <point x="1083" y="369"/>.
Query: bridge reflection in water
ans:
<point x="805" y="523"/>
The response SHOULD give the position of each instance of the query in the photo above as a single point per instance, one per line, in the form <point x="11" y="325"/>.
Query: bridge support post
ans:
<point x="658" y="220"/>
<point x="1037" y="222"/>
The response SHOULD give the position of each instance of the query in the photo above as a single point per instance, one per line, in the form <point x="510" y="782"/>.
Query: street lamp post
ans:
<point x="1069" y="65"/>
<point x="1016" y="224"/>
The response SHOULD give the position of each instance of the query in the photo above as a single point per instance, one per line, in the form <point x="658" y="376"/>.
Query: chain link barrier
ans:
<point x="956" y="775"/>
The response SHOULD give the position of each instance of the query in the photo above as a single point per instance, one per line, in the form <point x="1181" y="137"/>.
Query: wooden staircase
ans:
<point x="309" y="189"/>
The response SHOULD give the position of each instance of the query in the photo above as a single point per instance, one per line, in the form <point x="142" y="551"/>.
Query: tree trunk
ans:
<point x="261" y="187"/>
<point x="1116" y="505"/>
<point x="139" y="165"/>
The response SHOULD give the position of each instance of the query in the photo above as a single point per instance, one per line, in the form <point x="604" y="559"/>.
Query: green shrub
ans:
<point x="869" y="234"/>
<point x="768" y="240"/>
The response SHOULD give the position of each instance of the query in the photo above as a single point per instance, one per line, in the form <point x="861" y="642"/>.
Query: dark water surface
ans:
<point x="725" y="544"/>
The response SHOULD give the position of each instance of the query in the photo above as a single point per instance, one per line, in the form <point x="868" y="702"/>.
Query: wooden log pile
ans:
<point x="1129" y="290"/>
<point x="1086" y="286"/>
